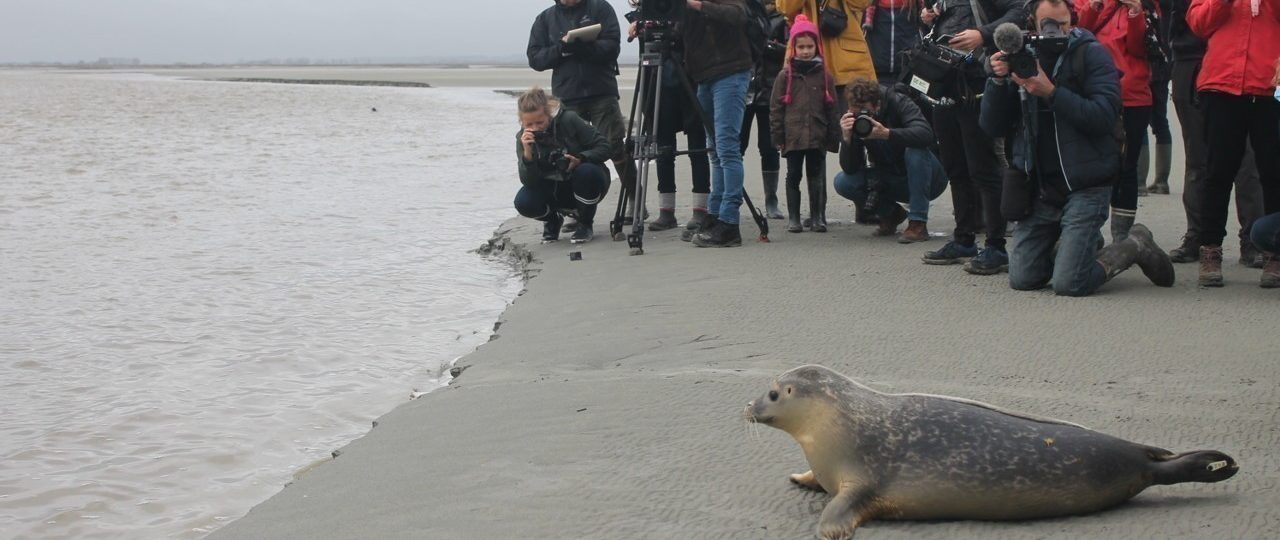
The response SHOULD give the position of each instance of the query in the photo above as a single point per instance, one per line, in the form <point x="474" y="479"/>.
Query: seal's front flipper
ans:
<point x="807" y="480"/>
<point x="850" y="508"/>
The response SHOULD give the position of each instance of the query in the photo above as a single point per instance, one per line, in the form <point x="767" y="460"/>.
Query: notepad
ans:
<point x="586" y="33"/>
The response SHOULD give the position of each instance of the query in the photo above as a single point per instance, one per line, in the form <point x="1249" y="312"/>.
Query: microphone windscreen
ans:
<point x="1008" y="38"/>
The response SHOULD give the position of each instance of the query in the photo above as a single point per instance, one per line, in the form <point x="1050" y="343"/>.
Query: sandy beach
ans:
<point x="609" y="403"/>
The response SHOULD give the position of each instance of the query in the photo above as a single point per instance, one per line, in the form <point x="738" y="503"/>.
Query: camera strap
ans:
<point x="979" y="14"/>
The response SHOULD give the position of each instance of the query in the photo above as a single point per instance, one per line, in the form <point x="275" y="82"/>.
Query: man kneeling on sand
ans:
<point x="560" y="157"/>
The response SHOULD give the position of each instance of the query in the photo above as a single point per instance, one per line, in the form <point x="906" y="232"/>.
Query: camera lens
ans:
<point x="862" y="126"/>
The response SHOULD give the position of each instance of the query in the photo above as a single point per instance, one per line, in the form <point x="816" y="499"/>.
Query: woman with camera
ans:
<point x="560" y="162"/>
<point x="1121" y="27"/>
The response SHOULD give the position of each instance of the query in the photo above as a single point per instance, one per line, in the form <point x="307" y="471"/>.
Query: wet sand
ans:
<point x="609" y="405"/>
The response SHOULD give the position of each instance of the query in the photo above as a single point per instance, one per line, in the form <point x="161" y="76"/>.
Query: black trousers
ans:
<point x="1230" y="123"/>
<point x="769" y="160"/>
<point x="805" y="162"/>
<point x="671" y="120"/>
<point x="1190" y="111"/>
<point x="1124" y="194"/>
<point x="970" y="159"/>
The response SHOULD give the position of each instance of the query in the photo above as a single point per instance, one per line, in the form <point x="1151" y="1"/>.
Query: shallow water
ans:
<point x="208" y="286"/>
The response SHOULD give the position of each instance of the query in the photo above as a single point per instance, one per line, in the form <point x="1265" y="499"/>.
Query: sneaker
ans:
<point x="570" y="225"/>
<point x="1189" y="251"/>
<point x="1210" y="266"/>
<point x="721" y="235"/>
<point x="583" y="234"/>
<point x="551" y="228"/>
<point x="1270" y="271"/>
<point x="990" y="261"/>
<point x="951" y="253"/>
<point x="916" y="231"/>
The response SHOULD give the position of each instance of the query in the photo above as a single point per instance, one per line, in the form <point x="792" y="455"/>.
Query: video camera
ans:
<point x="656" y="17"/>
<point x="1021" y="49"/>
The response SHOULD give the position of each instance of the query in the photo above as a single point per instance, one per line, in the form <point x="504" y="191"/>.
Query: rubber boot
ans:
<point x="1141" y="249"/>
<point x="771" y="210"/>
<point x="1120" y="225"/>
<point x="817" y="204"/>
<point x="666" y="213"/>
<point x="1164" y="163"/>
<point x="793" y="209"/>
<point x="1144" y="167"/>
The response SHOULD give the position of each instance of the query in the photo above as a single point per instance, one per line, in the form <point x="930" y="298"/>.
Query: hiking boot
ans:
<point x="916" y="231"/>
<point x="1189" y="251"/>
<point x="1249" y="255"/>
<point x="990" y="261"/>
<point x="551" y="228"/>
<point x="1270" y="271"/>
<point x="721" y="235"/>
<point x="707" y="223"/>
<point x="1139" y="248"/>
<point x="889" y="223"/>
<point x="1210" y="266"/>
<point x="666" y="220"/>
<point x="582" y="234"/>
<point x="951" y="253"/>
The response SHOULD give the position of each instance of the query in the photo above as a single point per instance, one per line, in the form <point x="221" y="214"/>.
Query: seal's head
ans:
<point x="789" y="403"/>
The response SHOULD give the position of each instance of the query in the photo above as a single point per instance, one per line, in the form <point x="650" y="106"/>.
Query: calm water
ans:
<point x="208" y="286"/>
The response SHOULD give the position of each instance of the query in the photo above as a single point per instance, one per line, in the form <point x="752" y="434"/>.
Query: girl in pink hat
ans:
<point x="805" y="122"/>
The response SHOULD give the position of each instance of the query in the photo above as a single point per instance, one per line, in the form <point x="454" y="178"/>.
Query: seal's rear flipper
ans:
<point x="1197" y="466"/>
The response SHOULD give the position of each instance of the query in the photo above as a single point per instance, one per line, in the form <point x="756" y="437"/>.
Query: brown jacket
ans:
<point x="808" y="122"/>
<point x="847" y="55"/>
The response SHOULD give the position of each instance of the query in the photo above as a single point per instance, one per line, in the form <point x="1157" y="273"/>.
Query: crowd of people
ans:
<point x="1047" y="118"/>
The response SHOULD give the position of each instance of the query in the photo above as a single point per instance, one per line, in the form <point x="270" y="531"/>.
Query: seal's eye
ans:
<point x="773" y="395"/>
<point x="788" y="390"/>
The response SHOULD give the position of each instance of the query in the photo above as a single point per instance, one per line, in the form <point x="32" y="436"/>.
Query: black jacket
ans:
<point x="715" y="40"/>
<point x="1084" y="121"/>
<point x="1186" y="45"/>
<point x="892" y="31"/>
<point x="775" y="51"/>
<point x="955" y="16"/>
<point x="908" y="128"/>
<point x="580" y="71"/>
<point x="572" y="134"/>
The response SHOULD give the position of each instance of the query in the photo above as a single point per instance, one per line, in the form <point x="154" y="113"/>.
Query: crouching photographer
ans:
<point x="560" y="158"/>
<point x="886" y="158"/>
<point x="1066" y="156"/>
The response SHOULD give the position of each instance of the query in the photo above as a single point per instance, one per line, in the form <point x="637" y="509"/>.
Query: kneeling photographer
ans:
<point x="1066" y="155"/>
<point x="561" y="159"/>
<point x="887" y="158"/>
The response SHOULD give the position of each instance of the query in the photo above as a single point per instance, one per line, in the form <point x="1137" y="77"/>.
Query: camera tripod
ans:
<point x="642" y="129"/>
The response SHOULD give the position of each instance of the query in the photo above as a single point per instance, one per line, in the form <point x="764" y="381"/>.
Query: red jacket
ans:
<point x="1243" y="49"/>
<point x="1123" y="36"/>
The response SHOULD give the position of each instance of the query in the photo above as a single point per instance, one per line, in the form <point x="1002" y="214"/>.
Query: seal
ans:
<point x="921" y="456"/>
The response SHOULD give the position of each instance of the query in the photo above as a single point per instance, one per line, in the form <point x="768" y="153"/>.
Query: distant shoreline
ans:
<point x="333" y="82"/>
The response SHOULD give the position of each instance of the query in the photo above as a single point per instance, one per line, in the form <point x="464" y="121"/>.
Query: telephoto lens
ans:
<point x="862" y="124"/>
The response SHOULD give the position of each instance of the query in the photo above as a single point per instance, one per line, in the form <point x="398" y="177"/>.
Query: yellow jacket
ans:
<point x="847" y="56"/>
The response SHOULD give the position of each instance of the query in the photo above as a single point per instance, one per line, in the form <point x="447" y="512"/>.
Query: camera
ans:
<point x="550" y="158"/>
<point x="1050" y="40"/>
<point x="664" y="11"/>
<point x="863" y="124"/>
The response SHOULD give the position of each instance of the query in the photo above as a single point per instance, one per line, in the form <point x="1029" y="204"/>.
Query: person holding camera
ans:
<point x="584" y="73"/>
<point x="1188" y="53"/>
<point x="1066" y="158"/>
<point x="1120" y="26"/>
<point x="969" y="155"/>
<point x="717" y="56"/>
<point x="560" y="162"/>
<point x="887" y="158"/>
<point x="1235" y="85"/>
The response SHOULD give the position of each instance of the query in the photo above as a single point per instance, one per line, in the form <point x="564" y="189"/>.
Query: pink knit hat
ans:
<point x="804" y="26"/>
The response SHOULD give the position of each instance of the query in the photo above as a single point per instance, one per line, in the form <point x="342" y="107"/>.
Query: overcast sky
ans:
<point x="164" y="31"/>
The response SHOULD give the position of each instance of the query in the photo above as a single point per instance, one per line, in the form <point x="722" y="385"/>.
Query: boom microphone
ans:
<point x="1008" y="38"/>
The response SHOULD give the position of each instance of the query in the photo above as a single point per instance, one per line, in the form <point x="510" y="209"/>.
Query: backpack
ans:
<point x="757" y="30"/>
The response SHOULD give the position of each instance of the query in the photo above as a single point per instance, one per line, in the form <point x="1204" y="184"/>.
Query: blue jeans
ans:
<point x="1266" y="233"/>
<point x="924" y="182"/>
<point x="725" y="100"/>
<point x="1077" y="230"/>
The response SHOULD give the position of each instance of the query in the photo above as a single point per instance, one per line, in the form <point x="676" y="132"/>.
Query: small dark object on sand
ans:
<point x="575" y="255"/>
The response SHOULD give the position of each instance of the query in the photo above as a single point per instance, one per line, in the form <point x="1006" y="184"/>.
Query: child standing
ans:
<point x="804" y="122"/>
